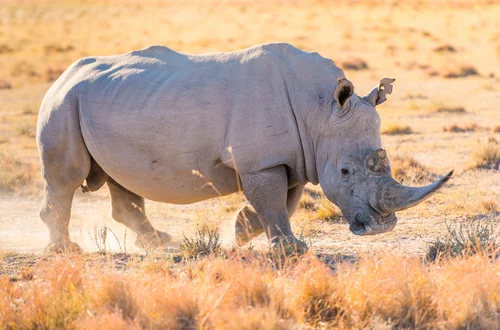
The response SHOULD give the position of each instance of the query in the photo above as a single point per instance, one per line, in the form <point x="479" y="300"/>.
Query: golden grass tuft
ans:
<point x="407" y="170"/>
<point x="245" y="291"/>
<point x="445" y="48"/>
<point x="354" y="64"/>
<point x="449" y="109"/>
<point x="487" y="156"/>
<point x="17" y="171"/>
<point x="461" y="129"/>
<point x="489" y="205"/>
<point x="5" y="84"/>
<point x="461" y="72"/>
<point x="466" y="238"/>
<point x="205" y="242"/>
<point x="328" y="211"/>
<point x="397" y="129"/>
<point x="28" y="130"/>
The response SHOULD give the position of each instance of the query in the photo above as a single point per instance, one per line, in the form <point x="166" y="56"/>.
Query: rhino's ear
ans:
<point x="343" y="92"/>
<point x="378" y="94"/>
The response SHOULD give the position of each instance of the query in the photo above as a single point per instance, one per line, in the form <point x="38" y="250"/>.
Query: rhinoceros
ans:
<point x="181" y="128"/>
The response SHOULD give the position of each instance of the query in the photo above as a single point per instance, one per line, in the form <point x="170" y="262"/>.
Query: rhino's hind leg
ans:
<point x="55" y="213"/>
<point x="129" y="209"/>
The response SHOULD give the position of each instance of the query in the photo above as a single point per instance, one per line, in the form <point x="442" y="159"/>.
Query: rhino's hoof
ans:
<point x="67" y="247"/>
<point x="288" y="246"/>
<point x="153" y="240"/>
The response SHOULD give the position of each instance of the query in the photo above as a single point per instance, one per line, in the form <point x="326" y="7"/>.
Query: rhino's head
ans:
<point x="354" y="170"/>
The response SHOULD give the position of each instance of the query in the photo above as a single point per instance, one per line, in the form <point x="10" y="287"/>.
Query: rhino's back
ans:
<point x="151" y="117"/>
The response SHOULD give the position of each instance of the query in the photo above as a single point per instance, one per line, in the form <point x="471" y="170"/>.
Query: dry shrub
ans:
<point x="28" y="130"/>
<point x="328" y="211"/>
<point x="461" y="129"/>
<point x="450" y="109"/>
<point x="407" y="170"/>
<point x="256" y="318"/>
<point x="8" y="317"/>
<point x="56" y="48"/>
<point x="314" y="298"/>
<point x="51" y="74"/>
<point x="16" y="171"/>
<point x="57" y="299"/>
<point x="465" y="238"/>
<point x="172" y="304"/>
<point x="5" y="84"/>
<point x="6" y="49"/>
<point x="496" y="129"/>
<point x="461" y="72"/>
<point x="354" y="63"/>
<point x="23" y="68"/>
<point x="205" y="242"/>
<point x="489" y="205"/>
<point x="487" y="156"/>
<point x="105" y="320"/>
<point x="307" y="202"/>
<point x="397" y="129"/>
<point x="445" y="49"/>
<point x="467" y="299"/>
<point x="114" y="293"/>
<point x="393" y="290"/>
<point x="246" y="291"/>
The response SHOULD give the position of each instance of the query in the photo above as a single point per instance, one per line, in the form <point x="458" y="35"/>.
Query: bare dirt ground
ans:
<point x="420" y="46"/>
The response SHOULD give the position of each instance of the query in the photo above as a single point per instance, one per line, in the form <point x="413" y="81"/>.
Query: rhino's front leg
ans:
<point x="248" y="225"/>
<point x="267" y="192"/>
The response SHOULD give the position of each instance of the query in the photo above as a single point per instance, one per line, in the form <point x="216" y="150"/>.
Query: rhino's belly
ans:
<point x="157" y="160"/>
<point x="180" y="188"/>
<point x="175" y="179"/>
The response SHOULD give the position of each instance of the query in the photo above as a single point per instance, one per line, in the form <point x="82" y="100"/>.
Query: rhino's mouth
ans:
<point x="361" y="227"/>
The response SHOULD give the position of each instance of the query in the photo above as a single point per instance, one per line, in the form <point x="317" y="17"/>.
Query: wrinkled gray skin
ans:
<point x="161" y="125"/>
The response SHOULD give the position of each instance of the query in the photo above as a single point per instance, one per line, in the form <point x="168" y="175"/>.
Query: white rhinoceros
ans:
<point x="159" y="124"/>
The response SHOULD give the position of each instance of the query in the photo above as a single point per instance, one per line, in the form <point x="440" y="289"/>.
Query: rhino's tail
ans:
<point x="96" y="178"/>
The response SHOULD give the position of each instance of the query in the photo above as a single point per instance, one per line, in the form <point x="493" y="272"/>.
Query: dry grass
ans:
<point x="328" y="211"/>
<point x="205" y="242"/>
<point x="354" y="64"/>
<point x="461" y="72"/>
<point x="450" y="109"/>
<point x="407" y="170"/>
<point x="445" y="49"/>
<point x="487" y="155"/>
<point x="18" y="171"/>
<point x="466" y="238"/>
<point x="245" y="291"/>
<point x="461" y="129"/>
<point x="397" y="129"/>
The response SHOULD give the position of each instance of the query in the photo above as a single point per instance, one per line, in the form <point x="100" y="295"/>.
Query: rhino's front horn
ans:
<point x="393" y="196"/>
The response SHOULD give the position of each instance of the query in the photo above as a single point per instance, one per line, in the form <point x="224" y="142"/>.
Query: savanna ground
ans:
<point x="444" y="114"/>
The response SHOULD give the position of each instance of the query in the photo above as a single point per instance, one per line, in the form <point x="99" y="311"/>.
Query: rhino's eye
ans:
<point x="346" y="173"/>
